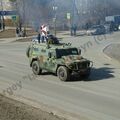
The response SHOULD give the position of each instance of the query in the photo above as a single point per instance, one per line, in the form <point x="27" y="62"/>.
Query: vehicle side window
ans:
<point x="35" y="48"/>
<point x="53" y="54"/>
<point x="43" y="50"/>
<point x="74" y="52"/>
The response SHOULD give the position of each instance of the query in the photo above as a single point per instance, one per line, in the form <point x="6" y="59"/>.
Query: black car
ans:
<point x="96" y="30"/>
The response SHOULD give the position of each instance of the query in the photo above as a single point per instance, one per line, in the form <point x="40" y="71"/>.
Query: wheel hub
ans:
<point x="62" y="74"/>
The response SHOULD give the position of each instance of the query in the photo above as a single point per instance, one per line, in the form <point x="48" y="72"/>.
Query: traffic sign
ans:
<point x="68" y="16"/>
<point x="7" y="13"/>
<point x="2" y="13"/>
<point x="14" y="18"/>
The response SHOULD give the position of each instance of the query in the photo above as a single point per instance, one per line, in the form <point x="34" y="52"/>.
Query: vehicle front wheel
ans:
<point x="85" y="76"/>
<point x="36" y="68"/>
<point x="63" y="73"/>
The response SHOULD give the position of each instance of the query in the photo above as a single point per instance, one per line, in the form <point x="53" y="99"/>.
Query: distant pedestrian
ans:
<point x="39" y="37"/>
<point x="71" y="30"/>
<point x="111" y="27"/>
<point x="0" y="26"/>
<point x="87" y="26"/>
<point x="17" y="32"/>
<point x="75" y="29"/>
<point x="3" y="26"/>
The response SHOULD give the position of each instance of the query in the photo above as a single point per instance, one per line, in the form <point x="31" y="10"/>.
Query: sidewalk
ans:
<point x="1" y="30"/>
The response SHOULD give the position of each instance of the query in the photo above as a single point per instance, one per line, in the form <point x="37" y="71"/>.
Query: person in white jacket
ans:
<point x="44" y="31"/>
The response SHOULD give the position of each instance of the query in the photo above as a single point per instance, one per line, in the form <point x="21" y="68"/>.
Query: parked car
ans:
<point x="96" y="30"/>
<point x="107" y="27"/>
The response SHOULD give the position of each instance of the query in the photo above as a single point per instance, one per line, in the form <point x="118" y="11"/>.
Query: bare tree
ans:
<point x="2" y="20"/>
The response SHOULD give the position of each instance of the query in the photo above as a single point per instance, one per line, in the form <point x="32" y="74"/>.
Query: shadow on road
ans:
<point x="97" y="74"/>
<point x="103" y="73"/>
<point x="1" y="66"/>
<point x="47" y="73"/>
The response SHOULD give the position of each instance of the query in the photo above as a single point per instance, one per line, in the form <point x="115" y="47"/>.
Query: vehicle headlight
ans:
<point x="119" y="27"/>
<point x="72" y="66"/>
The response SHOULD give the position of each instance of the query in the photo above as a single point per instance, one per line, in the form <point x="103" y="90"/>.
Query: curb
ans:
<point x="108" y="57"/>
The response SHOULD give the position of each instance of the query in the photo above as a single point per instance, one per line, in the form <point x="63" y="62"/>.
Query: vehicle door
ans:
<point x="51" y="61"/>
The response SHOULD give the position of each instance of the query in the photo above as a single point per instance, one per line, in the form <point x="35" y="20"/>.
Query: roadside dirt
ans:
<point x="112" y="51"/>
<point x="23" y="40"/>
<point x="11" y="33"/>
<point x="14" y="110"/>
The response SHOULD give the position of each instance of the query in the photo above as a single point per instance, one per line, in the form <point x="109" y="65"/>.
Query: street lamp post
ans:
<point x="24" y="18"/>
<point x="73" y="21"/>
<point x="105" y="8"/>
<point x="54" y="19"/>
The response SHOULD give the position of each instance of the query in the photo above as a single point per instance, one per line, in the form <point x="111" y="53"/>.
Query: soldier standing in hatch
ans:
<point x="44" y="31"/>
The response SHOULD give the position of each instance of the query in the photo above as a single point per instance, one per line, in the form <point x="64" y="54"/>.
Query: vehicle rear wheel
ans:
<point x="36" y="68"/>
<point x="63" y="73"/>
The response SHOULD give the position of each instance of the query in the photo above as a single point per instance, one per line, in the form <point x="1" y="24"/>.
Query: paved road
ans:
<point x="95" y="99"/>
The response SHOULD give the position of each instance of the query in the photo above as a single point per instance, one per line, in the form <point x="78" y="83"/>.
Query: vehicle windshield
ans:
<point x="66" y="52"/>
<point x="95" y="27"/>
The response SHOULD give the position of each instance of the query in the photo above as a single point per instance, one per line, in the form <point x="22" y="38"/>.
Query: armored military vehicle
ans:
<point x="61" y="59"/>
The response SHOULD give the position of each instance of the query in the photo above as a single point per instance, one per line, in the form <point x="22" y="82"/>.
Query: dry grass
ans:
<point x="12" y="33"/>
<point x="14" y="110"/>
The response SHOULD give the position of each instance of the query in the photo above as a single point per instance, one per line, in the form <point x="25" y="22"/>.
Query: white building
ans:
<point x="5" y="5"/>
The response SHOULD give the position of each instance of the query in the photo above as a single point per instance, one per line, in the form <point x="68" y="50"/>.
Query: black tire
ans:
<point x="28" y="52"/>
<point x="36" y="68"/>
<point x="86" y="76"/>
<point x="63" y="73"/>
<point x="50" y="41"/>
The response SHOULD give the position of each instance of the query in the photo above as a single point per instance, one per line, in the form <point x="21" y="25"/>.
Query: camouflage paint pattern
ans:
<point x="40" y="53"/>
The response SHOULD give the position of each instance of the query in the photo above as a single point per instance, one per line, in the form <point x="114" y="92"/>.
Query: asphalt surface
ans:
<point x="113" y="51"/>
<point x="95" y="99"/>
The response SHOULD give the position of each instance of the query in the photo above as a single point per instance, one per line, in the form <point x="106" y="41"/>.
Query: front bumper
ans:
<point x="81" y="66"/>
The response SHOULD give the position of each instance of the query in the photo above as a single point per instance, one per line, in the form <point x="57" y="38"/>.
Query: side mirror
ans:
<point x="79" y="51"/>
<point x="49" y="55"/>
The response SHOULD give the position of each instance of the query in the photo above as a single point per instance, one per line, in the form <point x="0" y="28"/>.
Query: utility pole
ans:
<point x="105" y="7"/>
<point x="24" y="18"/>
<point x="73" y="19"/>
<point x="54" y="19"/>
<point x="2" y="16"/>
